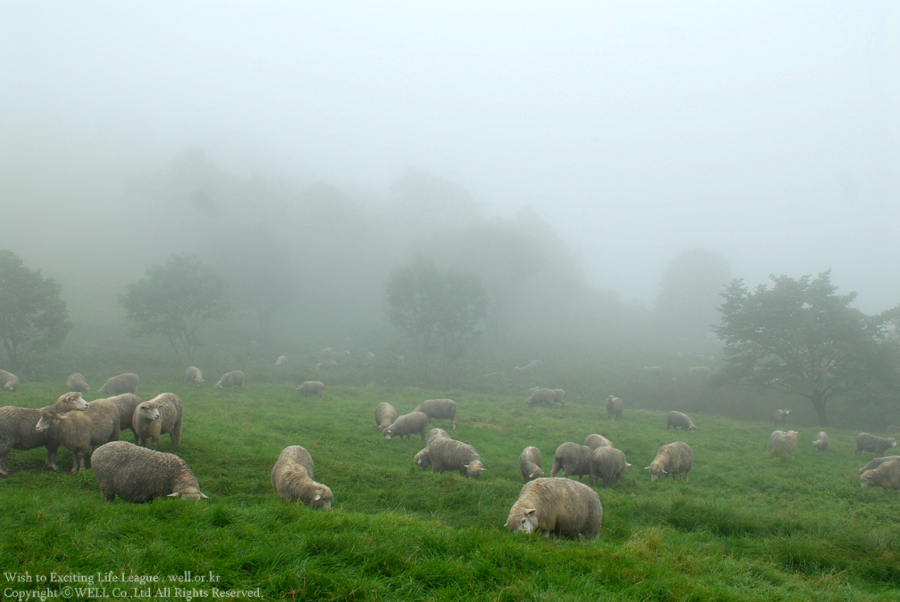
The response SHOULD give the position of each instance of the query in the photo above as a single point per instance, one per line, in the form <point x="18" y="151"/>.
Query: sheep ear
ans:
<point x="529" y="511"/>
<point x="665" y="472"/>
<point x="176" y="494"/>
<point x="627" y="465"/>
<point x="203" y="497"/>
<point x="317" y="498"/>
<point x="646" y="468"/>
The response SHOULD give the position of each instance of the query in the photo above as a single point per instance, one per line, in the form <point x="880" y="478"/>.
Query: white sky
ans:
<point x="766" y="131"/>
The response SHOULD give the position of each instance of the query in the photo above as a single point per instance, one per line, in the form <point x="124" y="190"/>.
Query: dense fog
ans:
<point x="580" y="158"/>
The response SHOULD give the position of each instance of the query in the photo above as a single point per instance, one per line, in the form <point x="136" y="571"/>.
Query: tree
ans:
<point x="802" y="338"/>
<point x="689" y="293"/>
<point x="436" y="306"/>
<point x="175" y="300"/>
<point x="33" y="317"/>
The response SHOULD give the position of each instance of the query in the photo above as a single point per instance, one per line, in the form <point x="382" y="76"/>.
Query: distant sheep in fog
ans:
<point x="76" y="382"/>
<point x="614" y="407"/>
<point x="679" y="420"/>
<point x="235" y="378"/>
<point x="530" y="464"/>
<point x="871" y="443"/>
<point x="281" y="361"/>
<point x="821" y="442"/>
<point x="385" y="415"/>
<point x="193" y="375"/>
<point x="8" y="381"/>
<point x="329" y="365"/>
<point x="876" y="462"/>
<point x="783" y="441"/>
<point x="781" y="417"/>
<point x="886" y="476"/>
<point x="123" y="383"/>
<point x="311" y="387"/>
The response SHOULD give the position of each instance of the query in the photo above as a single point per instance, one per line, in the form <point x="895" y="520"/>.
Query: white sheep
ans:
<point x="679" y="420"/>
<point x="614" y="407"/>
<point x="674" y="459"/>
<point x="530" y="464"/>
<point x="783" y="441"/>
<point x="594" y="441"/>
<point x="406" y="425"/>
<point x="385" y="415"/>
<point x="311" y="387"/>
<point x="440" y="409"/>
<point x="292" y="478"/>
<point x="193" y="375"/>
<point x="572" y="459"/>
<point x="76" y="382"/>
<point x="821" y="442"/>
<point x="781" y="417"/>
<point x="609" y="464"/>
<point x="8" y="381"/>
<point x="123" y="383"/>
<point x="450" y="454"/>
<point x="281" y="361"/>
<point x="562" y="506"/>
<point x="872" y="443"/>
<point x="17" y="432"/>
<point x="158" y="416"/>
<point x="138" y="474"/>
<point x="235" y="378"/>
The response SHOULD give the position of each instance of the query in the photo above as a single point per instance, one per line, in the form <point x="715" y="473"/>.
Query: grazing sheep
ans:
<point x="126" y="403"/>
<point x="138" y="474"/>
<point x="608" y="463"/>
<point x="439" y="409"/>
<point x="530" y="464"/>
<point x="329" y="365"/>
<point x="385" y="415"/>
<point x="281" y="361"/>
<point x="614" y="407"/>
<point x="292" y="478"/>
<point x="781" y="417"/>
<point x="821" y="442"/>
<point x="193" y="375"/>
<point x="123" y="383"/>
<point x="450" y="454"/>
<point x="560" y="397"/>
<point x="594" y="441"/>
<point x="572" y="459"/>
<point x="561" y="506"/>
<point x="675" y="459"/>
<point x="876" y="462"/>
<point x="423" y="458"/>
<point x="547" y="397"/>
<point x="435" y="434"/>
<point x="76" y="382"/>
<point x="874" y="444"/>
<point x="77" y="430"/>
<point x="783" y="441"/>
<point x="156" y="417"/>
<point x="235" y="378"/>
<point x="679" y="420"/>
<point x="8" y="381"/>
<point x="406" y="425"/>
<point x="311" y="387"/>
<point x="17" y="432"/>
<point x="886" y="476"/>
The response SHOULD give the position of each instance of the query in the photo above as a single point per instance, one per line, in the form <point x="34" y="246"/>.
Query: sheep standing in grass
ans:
<point x="876" y="462"/>
<point x="423" y="458"/>
<point x="871" y="443"/>
<point x="783" y="441"/>
<point x="235" y="378"/>
<point x="886" y="475"/>
<point x="123" y="383"/>
<point x="679" y="420"/>
<point x="311" y="387"/>
<point x="562" y="506"/>
<point x="126" y="403"/>
<point x="77" y="431"/>
<point x="572" y="459"/>
<point x="675" y="459"/>
<point x="594" y="441"/>
<point x="329" y="365"/>
<point x="406" y="425"/>
<point x="609" y="464"/>
<point x="438" y="409"/>
<point x="292" y="478"/>
<point x="138" y="474"/>
<point x="76" y="382"/>
<point x="614" y="407"/>
<point x="193" y="375"/>
<point x="385" y="415"/>
<point x="17" y="432"/>
<point x="450" y="454"/>
<point x="156" y="417"/>
<point x="103" y="413"/>
<point x="281" y="361"/>
<point x="530" y="464"/>
<point x="548" y="397"/>
<point x="821" y="442"/>
<point x="8" y="381"/>
<point x="781" y="417"/>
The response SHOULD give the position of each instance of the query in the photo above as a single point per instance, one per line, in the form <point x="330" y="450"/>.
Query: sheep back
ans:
<point x="293" y="481"/>
<point x="871" y="443"/>
<point x="530" y="464"/>
<point x="450" y="454"/>
<point x="385" y="415"/>
<point x="406" y="425"/>
<point x="193" y="375"/>
<point x="783" y="441"/>
<point x="545" y="397"/>
<point x="138" y="474"/>
<point x="821" y="442"/>
<point x="440" y="409"/>
<point x="76" y="382"/>
<point x="298" y="455"/>
<point x="123" y="383"/>
<point x="876" y="462"/>
<point x="886" y="475"/>
<point x="609" y="464"/>
<point x="572" y="459"/>
<point x="674" y="459"/>
<point x="679" y="420"/>
<point x="311" y="387"/>
<point x="17" y="431"/>
<point x="594" y="441"/>
<point x="562" y="506"/>
<point x="435" y="433"/>
<point x="235" y="378"/>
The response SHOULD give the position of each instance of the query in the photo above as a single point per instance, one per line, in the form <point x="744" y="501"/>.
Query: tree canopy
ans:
<point x="802" y="338"/>
<point x="33" y="316"/>
<point x="175" y="300"/>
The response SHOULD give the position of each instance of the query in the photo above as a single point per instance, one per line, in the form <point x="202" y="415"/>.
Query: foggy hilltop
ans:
<point x="569" y="155"/>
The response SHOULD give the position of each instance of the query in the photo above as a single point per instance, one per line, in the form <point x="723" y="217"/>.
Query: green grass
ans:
<point x="745" y="527"/>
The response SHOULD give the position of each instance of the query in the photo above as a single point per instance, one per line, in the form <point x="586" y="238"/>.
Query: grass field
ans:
<point x="745" y="527"/>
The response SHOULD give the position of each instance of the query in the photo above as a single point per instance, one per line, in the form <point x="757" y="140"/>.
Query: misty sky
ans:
<point x="768" y="132"/>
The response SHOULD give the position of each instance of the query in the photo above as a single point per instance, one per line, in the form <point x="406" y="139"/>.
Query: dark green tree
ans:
<point x="802" y="338"/>
<point x="436" y="307"/>
<point x="175" y="300"/>
<point x="33" y="317"/>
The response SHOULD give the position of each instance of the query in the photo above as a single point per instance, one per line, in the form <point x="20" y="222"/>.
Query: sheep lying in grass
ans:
<point x="156" y="417"/>
<point x="138" y="474"/>
<point x="821" y="442"/>
<point x="614" y="407"/>
<point x="450" y="454"/>
<point x="17" y="432"/>
<point x="235" y="378"/>
<point x="193" y="375"/>
<point x="674" y="459"/>
<point x="438" y="409"/>
<point x="123" y="383"/>
<point x="292" y="478"/>
<point x="77" y="431"/>
<point x="783" y="441"/>
<point x="871" y="443"/>
<point x="876" y="462"/>
<point x="679" y="420"/>
<point x="76" y="382"/>
<point x="530" y="464"/>
<point x="594" y="441"/>
<point x="311" y="387"/>
<point x="562" y="506"/>
<point x="572" y="459"/>
<point x="609" y="464"/>
<point x="385" y="415"/>
<point x="781" y="417"/>
<point x="8" y="381"/>
<point x="886" y="475"/>
<point x="406" y="425"/>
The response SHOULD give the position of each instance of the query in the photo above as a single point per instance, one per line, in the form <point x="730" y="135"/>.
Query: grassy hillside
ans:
<point x="745" y="527"/>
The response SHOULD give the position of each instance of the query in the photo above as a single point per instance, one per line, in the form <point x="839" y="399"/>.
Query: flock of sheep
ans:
<point x="545" y="504"/>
